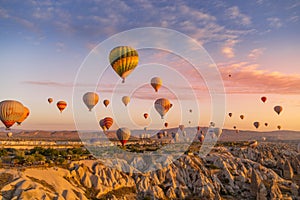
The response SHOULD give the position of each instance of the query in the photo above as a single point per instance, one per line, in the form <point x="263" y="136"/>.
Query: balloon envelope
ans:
<point x="123" y="135"/>
<point x="230" y="114"/>
<point x="264" y="99"/>
<point x="50" y="100"/>
<point x="108" y="122"/>
<point x="90" y="99"/>
<point x="102" y="125"/>
<point x="278" y="109"/>
<point x="61" y="105"/>
<point x="242" y="116"/>
<point x="123" y="60"/>
<point x="146" y="115"/>
<point x="156" y="83"/>
<point x="256" y="124"/>
<point x="125" y="100"/>
<point x="10" y="112"/>
<point x="162" y="106"/>
<point x="24" y="116"/>
<point x="166" y="124"/>
<point x="106" y="102"/>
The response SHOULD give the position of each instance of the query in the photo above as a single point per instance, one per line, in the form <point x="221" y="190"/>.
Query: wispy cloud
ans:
<point x="274" y="22"/>
<point x="228" y="48"/>
<point x="235" y="14"/>
<point x="256" y="53"/>
<point x="248" y="78"/>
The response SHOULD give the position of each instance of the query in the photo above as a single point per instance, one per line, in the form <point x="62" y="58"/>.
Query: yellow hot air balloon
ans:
<point x="10" y="112"/>
<point x="50" y="100"/>
<point x="123" y="135"/>
<point x="90" y="99"/>
<point x="156" y="83"/>
<point x="126" y="100"/>
<point x="162" y="106"/>
<point x="61" y="105"/>
<point x="123" y="60"/>
<point x="24" y="116"/>
<point x="278" y="109"/>
<point x="106" y="102"/>
<point x="9" y="134"/>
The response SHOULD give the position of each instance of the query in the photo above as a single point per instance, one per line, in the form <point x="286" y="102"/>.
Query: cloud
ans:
<point x="247" y="78"/>
<point x="255" y="53"/>
<point x="48" y="83"/>
<point x="228" y="48"/>
<point x="274" y="22"/>
<point x="235" y="14"/>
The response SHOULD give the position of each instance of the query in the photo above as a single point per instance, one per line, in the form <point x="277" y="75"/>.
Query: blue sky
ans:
<point x="43" y="44"/>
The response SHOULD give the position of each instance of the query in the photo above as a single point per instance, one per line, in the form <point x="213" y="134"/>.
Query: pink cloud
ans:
<point x="248" y="78"/>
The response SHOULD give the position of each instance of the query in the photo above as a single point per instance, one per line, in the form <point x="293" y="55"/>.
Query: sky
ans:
<point x="44" y="44"/>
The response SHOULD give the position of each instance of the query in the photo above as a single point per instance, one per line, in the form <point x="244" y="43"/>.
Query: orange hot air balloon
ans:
<point x="264" y="99"/>
<point x="61" y="105"/>
<point x="242" y="116"/>
<point x="10" y="112"/>
<point x="166" y="124"/>
<point x="278" y="109"/>
<point x="230" y="114"/>
<point x="279" y="127"/>
<point x="108" y="122"/>
<point x="106" y="102"/>
<point x="50" y="100"/>
<point x="102" y="125"/>
<point x="162" y="106"/>
<point x="266" y="124"/>
<point x="123" y="135"/>
<point x="256" y="124"/>
<point x="24" y="116"/>
<point x="156" y="83"/>
<point x="146" y="115"/>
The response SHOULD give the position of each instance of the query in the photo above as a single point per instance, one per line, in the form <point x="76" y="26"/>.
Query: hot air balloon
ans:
<point x="61" y="105"/>
<point x="9" y="134"/>
<point x="162" y="106"/>
<point x="108" y="122"/>
<point x="234" y="127"/>
<point x="10" y="112"/>
<point x="266" y="124"/>
<point x="191" y="110"/>
<point x="278" y="109"/>
<point x="253" y="144"/>
<point x="229" y="75"/>
<point x="242" y="117"/>
<point x="279" y="127"/>
<point x="50" y="100"/>
<point x="156" y="83"/>
<point x="256" y="124"/>
<point x="160" y="135"/>
<point x="24" y="116"/>
<point x="166" y="124"/>
<point x="212" y="124"/>
<point x="123" y="60"/>
<point x="90" y="99"/>
<point x="264" y="99"/>
<point x="201" y="137"/>
<point x="181" y="127"/>
<point x="230" y="114"/>
<point x="123" y="135"/>
<point x="126" y="100"/>
<point x="102" y="125"/>
<point x="106" y="102"/>
<point x="146" y="115"/>
<point x="190" y="122"/>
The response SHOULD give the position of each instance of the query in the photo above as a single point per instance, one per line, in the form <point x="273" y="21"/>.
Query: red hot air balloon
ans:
<point x="166" y="124"/>
<point x="264" y="99"/>
<point x="146" y="115"/>
<point x="108" y="122"/>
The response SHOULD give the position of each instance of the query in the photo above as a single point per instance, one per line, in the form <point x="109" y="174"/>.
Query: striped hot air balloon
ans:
<point x="10" y="112"/>
<point x="90" y="99"/>
<point x="61" y="105"/>
<point x="24" y="116"/>
<point x="123" y="135"/>
<point x="102" y="125"/>
<point x="108" y="122"/>
<point x="162" y="106"/>
<point x="123" y="60"/>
